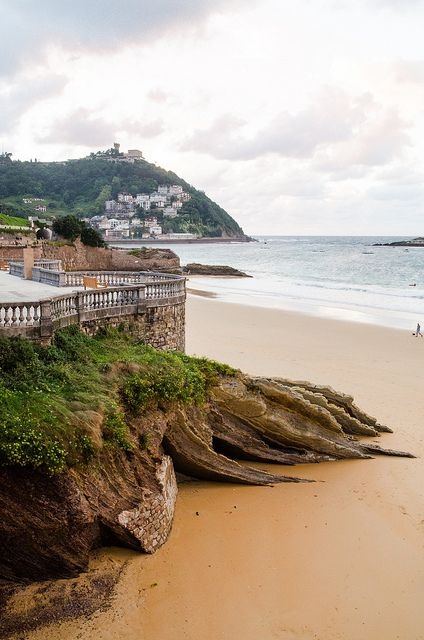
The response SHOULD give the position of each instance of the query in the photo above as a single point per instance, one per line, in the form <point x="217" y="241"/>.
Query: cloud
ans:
<point x="332" y="118"/>
<point x="403" y="5"/>
<point x="19" y="97"/>
<point x="27" y="28"/>
<point x="381" y="139"/>
<point x="409" y="71"/>
<point x="158" y="95"/>
<point x="80" y="128"/>
<point x="147" y="129"/>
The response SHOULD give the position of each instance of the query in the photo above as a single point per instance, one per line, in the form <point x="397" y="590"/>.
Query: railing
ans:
<point x="20" y="314"/>
<point x="16" y="268"/>
<point x="117" y="278"/>
<point x="165" y="288"/>
<point x="45" y="271"/>
<point x="46" y="275"/>
<point x="52" y="265"/>
<point x="40" y="319"/>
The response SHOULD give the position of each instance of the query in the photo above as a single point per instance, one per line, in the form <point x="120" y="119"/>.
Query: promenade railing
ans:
<point x="39" y="319"/>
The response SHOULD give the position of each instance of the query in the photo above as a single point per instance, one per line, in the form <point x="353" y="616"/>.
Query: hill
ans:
<point x="82" y="186"/>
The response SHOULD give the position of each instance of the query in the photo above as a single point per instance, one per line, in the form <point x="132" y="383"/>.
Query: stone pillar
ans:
<point x="28" y="262"/>
<point x="46" y="322"/>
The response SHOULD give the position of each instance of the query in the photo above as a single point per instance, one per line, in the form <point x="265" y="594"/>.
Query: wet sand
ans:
<point x="342" y="558"/>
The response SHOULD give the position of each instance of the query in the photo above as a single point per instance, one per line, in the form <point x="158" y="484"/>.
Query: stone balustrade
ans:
<point x="16" y="268"/>
<point x="45" y="275"/>
<point x="117" y="278"/>
<point x="19" y="314"/>
<point x="153" y="310"/>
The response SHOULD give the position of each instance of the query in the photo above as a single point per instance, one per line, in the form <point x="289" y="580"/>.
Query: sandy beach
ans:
<point x="341" y="558"/>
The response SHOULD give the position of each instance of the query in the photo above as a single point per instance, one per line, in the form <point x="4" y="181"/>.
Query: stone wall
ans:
<point x="79" y="257"/>
<point x="151" y="521"/>
<point x="165" y="327"/>
<point x="162" y="327"/>
<point x="16" y="252"/>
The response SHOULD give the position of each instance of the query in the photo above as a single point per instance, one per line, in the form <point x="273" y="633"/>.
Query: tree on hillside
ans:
<point x="5" y="157"/>
<point x="69" y="227"/>
<point x="91" y="237"/>
<point x="105" y="194"/>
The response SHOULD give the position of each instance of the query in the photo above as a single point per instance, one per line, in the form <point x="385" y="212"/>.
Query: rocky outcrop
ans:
<point x="49" y="525"/>
<point x="196" y="269"/>
<point x="415" y="242"/>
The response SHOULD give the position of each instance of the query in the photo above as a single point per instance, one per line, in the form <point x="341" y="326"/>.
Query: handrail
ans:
<point x="23" y="318"/>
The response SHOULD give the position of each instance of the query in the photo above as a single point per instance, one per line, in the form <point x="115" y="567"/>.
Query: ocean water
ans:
<point x="343" y="278"/>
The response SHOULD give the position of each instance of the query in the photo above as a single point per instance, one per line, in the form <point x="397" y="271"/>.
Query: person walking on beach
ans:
<point x="418" y="331"/>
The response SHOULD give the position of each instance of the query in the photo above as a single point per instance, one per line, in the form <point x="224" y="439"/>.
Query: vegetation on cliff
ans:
<point x="82" y="186"/>
<point x="48" y="395"/>
<point x="70" y="228"/>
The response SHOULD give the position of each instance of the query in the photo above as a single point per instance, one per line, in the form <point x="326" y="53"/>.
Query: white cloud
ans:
<point x="19" y="97"/>
<point x="27" y="27"/>
<point x="79" y="128"/>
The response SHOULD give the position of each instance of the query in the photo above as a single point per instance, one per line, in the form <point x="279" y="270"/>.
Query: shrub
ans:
<point x="115" y="430"/>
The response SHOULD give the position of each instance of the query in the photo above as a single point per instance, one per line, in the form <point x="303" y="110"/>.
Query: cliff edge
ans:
<point x="93" y="464"/>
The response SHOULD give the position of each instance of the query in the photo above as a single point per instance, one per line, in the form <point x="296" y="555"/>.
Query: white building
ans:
<point x="155" y="230"/>
<point x="125" y="197"/>
<point x="175" y="190"/>
<point x="134" y="154"/>
<point x="142" y="197"/>
<point x="181" y="236"/>
<point x="158" y="200"/>
<point x="170" y="212"/>
<point x="143" y="200"/>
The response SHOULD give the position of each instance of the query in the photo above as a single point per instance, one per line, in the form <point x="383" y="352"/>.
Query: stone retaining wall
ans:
<point x="162" y="327"/>
<point x="151" y="521"/>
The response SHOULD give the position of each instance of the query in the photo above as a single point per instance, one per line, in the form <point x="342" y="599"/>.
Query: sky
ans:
<point x="296" y="116"/>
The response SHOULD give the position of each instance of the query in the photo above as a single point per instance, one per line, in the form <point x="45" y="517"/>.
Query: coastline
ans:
<point x="113" y="244"/>
<point x="338" y="558"/>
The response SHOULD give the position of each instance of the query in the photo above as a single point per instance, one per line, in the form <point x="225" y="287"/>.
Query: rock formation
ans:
<point x="197" y="269"/>
<point x="415" y="242"/>
<point x="49" y="525"/>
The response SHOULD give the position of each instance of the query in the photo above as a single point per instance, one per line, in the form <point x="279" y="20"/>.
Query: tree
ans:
<point x="91" y="237"/>
<point x="105" y="194"/>
<point x="115" y="187"/>
<point x="68" y="227"/>
<point x="5" y="157"/>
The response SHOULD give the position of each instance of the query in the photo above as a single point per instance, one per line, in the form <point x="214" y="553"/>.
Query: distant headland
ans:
<point x="416" y="242"/>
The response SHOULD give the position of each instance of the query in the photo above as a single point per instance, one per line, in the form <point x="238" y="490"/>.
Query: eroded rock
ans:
<point x="49" y="525"/>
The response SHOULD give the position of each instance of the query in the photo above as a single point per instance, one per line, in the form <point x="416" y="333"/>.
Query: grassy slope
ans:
<point x="45" y="393"/>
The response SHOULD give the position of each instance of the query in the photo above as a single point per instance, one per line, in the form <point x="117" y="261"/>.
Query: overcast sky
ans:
<point x="296" y="116"/>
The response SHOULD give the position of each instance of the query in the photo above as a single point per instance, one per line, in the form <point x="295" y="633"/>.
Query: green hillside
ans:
<point x="12" y="221"/>
<point x="80" y="187"/>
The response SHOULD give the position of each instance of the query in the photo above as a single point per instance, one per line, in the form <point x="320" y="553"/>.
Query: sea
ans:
<point x="340" y="277"/>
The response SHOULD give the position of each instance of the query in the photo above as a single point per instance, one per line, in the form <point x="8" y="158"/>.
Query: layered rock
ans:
<point x="194" y="268"/>
<point x="49" y="525"/>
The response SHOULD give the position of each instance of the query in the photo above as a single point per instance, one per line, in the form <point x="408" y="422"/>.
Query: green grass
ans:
<point x="112" y="374"/>
<point x="13" y="221"/>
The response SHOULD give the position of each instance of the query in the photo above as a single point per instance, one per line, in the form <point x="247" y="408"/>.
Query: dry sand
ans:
<point x="337" y="559"/>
